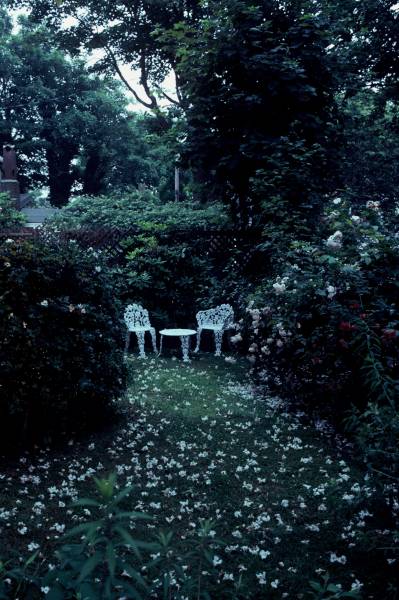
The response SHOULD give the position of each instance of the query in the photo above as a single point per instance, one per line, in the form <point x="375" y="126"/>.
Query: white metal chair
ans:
<point x="138" y="321"/>
<point x="218" y="320"/>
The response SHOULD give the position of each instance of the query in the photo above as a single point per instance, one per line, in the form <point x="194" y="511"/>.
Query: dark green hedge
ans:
<point x="61" y="352"/>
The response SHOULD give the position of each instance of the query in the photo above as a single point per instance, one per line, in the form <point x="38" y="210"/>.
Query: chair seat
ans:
<point x="212" y="327"/>
<point x="148" y="328"/>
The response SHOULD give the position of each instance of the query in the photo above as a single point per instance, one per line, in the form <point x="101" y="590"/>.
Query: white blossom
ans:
<point x="335" y="241"/>
<point x="279" y="288"/>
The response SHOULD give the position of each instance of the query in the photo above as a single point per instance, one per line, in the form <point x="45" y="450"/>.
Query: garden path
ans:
<point x="199" y="443"/>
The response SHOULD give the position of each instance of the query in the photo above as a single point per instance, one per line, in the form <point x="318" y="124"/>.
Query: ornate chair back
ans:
<point x="136" y="317"/>
<point x="221" y="316"/>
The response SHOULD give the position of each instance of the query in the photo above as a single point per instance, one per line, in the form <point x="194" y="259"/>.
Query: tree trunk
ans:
<point x="94" y="174"/>
<point x="60" y="175"/>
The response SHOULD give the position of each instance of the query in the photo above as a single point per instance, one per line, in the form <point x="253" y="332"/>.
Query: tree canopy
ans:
<point x="271" y="98"/>
<point x="71" y="126"/>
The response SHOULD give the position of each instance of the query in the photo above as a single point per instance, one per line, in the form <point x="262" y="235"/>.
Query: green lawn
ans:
<point x="198" y="442"/>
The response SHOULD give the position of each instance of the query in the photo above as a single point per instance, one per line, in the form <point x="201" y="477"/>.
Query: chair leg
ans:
<point x="154" y="340"/>
<point x="127" y="342"/>
<point x="141" y="341"/>
<point x="218" y="342"/>
<point x="199" y="331"/>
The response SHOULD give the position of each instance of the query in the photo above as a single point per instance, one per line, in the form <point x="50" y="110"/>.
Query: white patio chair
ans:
<point x="218" y="320"/>
<point x="137" y="321"/>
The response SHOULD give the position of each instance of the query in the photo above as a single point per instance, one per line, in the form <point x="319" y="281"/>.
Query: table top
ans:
<point x="177" y="332"/>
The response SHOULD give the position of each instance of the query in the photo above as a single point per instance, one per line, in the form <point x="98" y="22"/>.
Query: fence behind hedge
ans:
<point x="217" y="244"/>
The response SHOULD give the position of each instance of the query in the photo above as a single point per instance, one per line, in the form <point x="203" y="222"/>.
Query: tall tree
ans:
<point x="259" y="95"/>
<point x="265" y="85"/>
<point x="69" y="125"/>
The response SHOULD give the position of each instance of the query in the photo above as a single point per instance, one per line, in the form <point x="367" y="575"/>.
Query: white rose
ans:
<point x="335" y="241"/>
<point x="279" y="288"/>
<point x="331" y="291"/>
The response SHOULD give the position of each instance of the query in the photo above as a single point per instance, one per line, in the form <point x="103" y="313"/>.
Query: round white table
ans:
<point x="184" y="335"/>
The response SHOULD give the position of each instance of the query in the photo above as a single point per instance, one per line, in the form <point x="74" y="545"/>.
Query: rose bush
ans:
<point x="325" y="330"/>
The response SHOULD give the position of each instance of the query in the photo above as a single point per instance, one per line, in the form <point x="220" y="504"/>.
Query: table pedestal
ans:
<point x="184" y="335"/>
<point x="185" y="345"/>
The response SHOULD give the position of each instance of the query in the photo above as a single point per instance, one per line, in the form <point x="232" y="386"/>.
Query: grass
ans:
<point x="198" y="442"/>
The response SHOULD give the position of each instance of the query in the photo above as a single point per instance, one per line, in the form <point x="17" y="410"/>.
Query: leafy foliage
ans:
<point x="124" y="31"/>
<point x="9" y="215"/>
<point x="138" y="208"/>
<point x="258" y="98"/>
<point x="101" y="555"/>
<point x="163" y="261"/>
<point x="71" y="128"/>
<point x="99" y="559"/>
<point x="330" y="591"/>
<point x="369" y="165"/>
<point x="278" y="106"/>
<point x="61" y="354"/>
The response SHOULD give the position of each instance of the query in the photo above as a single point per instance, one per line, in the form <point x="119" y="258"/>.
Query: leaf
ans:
<point x="55" y="593"/>
<point x="89" y="566"/>
<point x="106" y="486"/>
<point x="132" y="591"/>
<point x="86" y="528"/>
<point x="129" y="541"/>
<point x="86" y="502"/>
<point x="138" y="516"/>
<point x="134" y="574"/>
<point x="126" y="492"/>
<point x="88" y="591"/>
<point x="31" y="559"/>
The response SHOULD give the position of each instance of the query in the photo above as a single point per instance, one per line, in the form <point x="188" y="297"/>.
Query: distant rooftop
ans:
<point x="37" y="216"/>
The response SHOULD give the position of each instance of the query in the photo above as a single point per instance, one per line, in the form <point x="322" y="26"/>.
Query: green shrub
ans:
<point x="327" y="590"/>
<point x="9" y="215"/>
<point x="141" y="208"/>
<point x="61" y="353"/>
<point x="163" y="259"/>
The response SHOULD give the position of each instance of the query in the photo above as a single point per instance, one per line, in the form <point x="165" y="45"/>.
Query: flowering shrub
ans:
<point x="61" y="357"/>
<point x="325" y="330"/>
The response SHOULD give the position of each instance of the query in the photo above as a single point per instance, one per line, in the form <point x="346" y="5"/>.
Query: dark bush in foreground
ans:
<point x="61" y="357"/>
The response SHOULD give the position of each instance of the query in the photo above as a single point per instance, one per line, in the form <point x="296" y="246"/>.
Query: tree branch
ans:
<point x="144" y="81"/>
<point x="165" y="95"/>
<point x="151" y="105"/>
